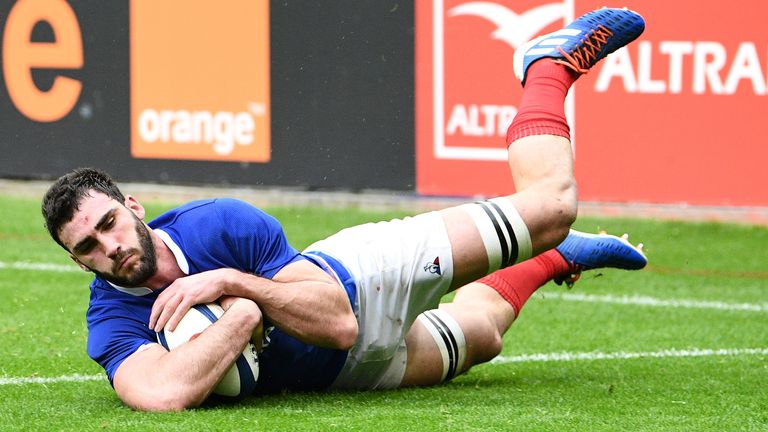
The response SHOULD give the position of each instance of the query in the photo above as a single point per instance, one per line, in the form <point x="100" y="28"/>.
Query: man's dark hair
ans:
<point x="63" y="197"/>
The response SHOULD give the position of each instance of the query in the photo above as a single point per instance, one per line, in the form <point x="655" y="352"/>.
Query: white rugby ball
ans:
<point x="240" y="379"/>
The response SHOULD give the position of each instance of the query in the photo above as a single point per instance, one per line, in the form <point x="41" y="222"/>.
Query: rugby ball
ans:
<point x="240" y="379"/>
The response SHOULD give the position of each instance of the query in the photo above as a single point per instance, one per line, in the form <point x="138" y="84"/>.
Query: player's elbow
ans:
<point x="163" y="399"/>
<point x="166" y="404"/>
<point x="346" y="333"/>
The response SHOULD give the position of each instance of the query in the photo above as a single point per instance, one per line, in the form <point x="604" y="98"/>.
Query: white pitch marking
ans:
<point x="22" y="265"/>
<point x="576" y="356"/>
<point x="656" y="302"/>
<point x="524" y="358"/>
<point x="51" y="380"/>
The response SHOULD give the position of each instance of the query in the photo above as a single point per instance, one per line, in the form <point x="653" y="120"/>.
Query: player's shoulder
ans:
<point x="235" y="212"/>
<point x="213" y="218"/>
<point x="173" y="214"/>
<point x="203" y="206"/>
<point x="225" y="205"/>
<point x="198" y="211"/>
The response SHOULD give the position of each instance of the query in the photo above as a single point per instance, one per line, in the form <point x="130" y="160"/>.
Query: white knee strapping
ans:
<point x="504" y="234"/>
<point x="449" y="339"/>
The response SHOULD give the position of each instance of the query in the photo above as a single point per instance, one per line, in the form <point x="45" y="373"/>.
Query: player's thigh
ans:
<point x="488" y="235"/>
<point x="470" y="259"/>
<point x="425" y="363"/>
<point x="485" y="236"/>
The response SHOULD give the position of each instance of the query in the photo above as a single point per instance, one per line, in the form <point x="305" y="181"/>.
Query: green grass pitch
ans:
<point x="682" y="345"/>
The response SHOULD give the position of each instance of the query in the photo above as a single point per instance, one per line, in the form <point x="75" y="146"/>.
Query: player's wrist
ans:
<point x="230" y="282"/>
<point x="226" y="301"/>
<point x="247" y="309"/>
<point x="243" y="284"/>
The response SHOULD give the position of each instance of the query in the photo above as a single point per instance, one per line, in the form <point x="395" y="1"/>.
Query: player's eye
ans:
<point x="110" y="223"/>
<point x="86" y="247"/>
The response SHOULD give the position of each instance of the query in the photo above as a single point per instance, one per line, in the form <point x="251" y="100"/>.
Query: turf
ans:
<point x="42" y="334"/>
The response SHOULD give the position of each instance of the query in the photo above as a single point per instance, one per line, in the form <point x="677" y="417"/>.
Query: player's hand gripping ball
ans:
<point x="240" y="379"/>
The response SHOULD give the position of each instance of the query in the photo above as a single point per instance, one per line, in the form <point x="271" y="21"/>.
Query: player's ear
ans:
<point x="133" y="204"/>
<point x="79" y="263"/>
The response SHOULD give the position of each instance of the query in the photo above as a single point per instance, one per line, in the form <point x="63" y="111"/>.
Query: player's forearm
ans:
<point x="316" y="312"/>
<point x="184" y="377"/>
<point x="201" y="363"/>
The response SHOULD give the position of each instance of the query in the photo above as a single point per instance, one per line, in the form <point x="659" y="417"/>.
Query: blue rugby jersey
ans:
<point x="206" y="235"/>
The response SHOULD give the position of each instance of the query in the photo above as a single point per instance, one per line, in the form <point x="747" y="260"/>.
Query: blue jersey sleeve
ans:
<point x="117" y="328"/>
<point x="255" y="238"/>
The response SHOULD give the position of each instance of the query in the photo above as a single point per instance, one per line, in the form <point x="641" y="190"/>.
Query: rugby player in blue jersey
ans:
<point x="356" y="310"/>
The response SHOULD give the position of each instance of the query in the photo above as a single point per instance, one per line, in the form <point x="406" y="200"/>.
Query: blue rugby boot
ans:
<point x="592" y="251"/>
<point x="582" y="43"/>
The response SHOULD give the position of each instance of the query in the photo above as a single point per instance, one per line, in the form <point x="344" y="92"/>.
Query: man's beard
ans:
<point x="145" y="268"/>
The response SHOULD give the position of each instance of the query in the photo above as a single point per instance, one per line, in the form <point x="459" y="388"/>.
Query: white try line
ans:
<point x="23" y="265"/>
<point x="51" y="380"/>
<point x="636" y="300"/>
<point x="576" y="356"/>
<point x="523" y="358"/>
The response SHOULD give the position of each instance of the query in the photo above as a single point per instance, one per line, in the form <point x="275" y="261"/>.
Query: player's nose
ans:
<point x="111" y="247"/>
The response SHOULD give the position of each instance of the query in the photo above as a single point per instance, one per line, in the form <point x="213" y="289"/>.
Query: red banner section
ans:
<point x="673" y="118"/>
<point x="200" y="80"/>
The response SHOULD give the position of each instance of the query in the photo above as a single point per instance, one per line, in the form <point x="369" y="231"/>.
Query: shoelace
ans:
<point x="585" y="55"/>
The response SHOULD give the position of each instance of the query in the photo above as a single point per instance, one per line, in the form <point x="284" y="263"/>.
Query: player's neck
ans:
<point x="168" y="269"/>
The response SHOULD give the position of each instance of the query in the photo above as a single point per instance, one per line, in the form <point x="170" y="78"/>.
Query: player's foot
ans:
<point x="585" y="251"/>
<point x="583" y="42"/>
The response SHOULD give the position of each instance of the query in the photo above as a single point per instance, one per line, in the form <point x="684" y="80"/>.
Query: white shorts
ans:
<point x="402" y="268"/>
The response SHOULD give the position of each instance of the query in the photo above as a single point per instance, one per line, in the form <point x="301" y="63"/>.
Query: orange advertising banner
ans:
<point x="200" y="80"/>
<point x="677" y="117"/>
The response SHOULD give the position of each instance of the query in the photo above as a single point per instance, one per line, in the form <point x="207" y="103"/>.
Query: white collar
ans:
<point x="181" y="260"/>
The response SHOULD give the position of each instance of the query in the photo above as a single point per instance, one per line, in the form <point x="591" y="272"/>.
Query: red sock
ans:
<point x="518" y="282"/>
<point x="542" y="109"/>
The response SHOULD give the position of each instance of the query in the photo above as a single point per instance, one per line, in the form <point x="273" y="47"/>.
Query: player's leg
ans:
<point x="403" y="267"/>
<point x="496" y="233"/>
<point x="445" y="342"/>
